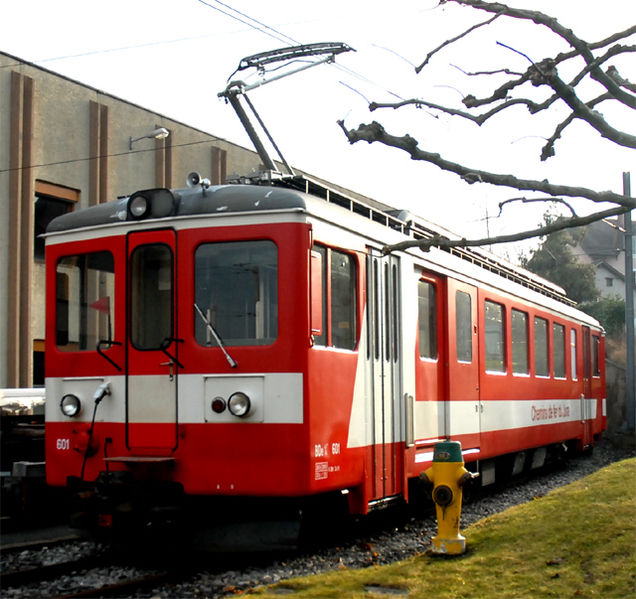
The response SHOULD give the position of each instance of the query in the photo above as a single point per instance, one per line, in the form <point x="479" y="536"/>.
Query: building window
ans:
<point x="494" y="336"/>
<point x="558" y="350"/>
<point x="427" y="319"/>
<point x="51" y="201"/>
<point x="609" y="282"/>
<point x="541" y="347"/>
<point x="519" y="342"/>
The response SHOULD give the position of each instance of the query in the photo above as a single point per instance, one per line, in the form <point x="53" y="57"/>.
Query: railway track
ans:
<point x="385" y="538"/>
<point x="96" y="575"/>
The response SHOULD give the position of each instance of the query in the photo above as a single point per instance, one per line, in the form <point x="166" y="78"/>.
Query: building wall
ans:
<point x="57" y="134"/>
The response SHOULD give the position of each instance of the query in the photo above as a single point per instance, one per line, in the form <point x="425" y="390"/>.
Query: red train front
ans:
<point x="251" y="341"/>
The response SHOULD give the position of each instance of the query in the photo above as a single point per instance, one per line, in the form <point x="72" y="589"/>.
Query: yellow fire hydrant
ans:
<point x="448" y="476"/>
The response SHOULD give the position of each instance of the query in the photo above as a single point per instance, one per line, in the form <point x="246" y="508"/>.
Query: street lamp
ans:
<point x="159" y="133"/>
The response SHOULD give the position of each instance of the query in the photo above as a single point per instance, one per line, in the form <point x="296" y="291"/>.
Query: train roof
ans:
<point x="290" y="193"/>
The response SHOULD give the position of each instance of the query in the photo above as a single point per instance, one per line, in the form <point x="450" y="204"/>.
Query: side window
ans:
<point x="558" y="350"/>
<point x="343" y="300"/>
<point x="541" y="347"/>
<point x="339" y="298"/>
<point x="573" y="353"/>
<point x="463" y="327"/>
<point x="319" y="292"/>
<point x="494" y="337"/>
<point x="427" y="319"/>
<point x="596" y="343"/>
<point x="85" y="290"/>
<point x="519" y="326"/>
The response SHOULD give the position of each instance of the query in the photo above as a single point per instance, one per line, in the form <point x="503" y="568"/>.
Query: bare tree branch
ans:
<point x="540" y="74"/>
<point x="567" y="34"/>
<point x="374" y="132"/>
<point x="454" y="39"/>
<point x="495" y="72"/>
<point x="445" y="243"/>
<point x="535" y="200"/>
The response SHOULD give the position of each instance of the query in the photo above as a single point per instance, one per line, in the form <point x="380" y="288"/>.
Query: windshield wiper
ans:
<point x="216" y="336"/>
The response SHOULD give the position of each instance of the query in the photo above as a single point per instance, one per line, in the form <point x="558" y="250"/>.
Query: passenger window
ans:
<point x="343" y="301"/>
<point x="573" y="352"/>
<point x="494" y="337"/>
<point x="541" y="347"/>
<point x="339" y="293"/>
<point x="519" y="342"/>
<point x="558" y="350"/>
<point x="596" y="342"/>
<point x="319" y="293"/>
<point x="463" y="327"/>
<point x="427" y="319"/>
<point x="84" y="304"/>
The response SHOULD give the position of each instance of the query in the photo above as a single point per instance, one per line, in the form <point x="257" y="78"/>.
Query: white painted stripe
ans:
<point x="277" y="397"/>
<point x="432" y="419"/>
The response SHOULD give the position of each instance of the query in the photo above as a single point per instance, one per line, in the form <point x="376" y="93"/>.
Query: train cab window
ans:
<point x="236" y="290"/>
<point x="541" y="347"/>
<point x="558" y="350"/>
<point x="519" y="330"/>
<point x="573" y="353"/>
<point x="85" y="288"/>
<point x="494" y="337"/>
<point x="151" y="296"/>
<point x="427" y="319"/>
<point x="463" y="326"/>
<point x="596" y="344"/>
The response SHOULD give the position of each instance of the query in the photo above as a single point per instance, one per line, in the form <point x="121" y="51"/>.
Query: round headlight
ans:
<point x="239" y="404"/>
<point x="70" y="405"/>
<point x="138" y="206"/>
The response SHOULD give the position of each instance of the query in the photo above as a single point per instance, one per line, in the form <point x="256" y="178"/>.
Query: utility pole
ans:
<point x="629" y="314"/>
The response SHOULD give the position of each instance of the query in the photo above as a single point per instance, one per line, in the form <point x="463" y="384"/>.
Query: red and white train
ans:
<point x="252" y="341"/>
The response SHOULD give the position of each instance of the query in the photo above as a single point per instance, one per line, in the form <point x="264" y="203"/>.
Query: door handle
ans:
<point x="171" y="364"/>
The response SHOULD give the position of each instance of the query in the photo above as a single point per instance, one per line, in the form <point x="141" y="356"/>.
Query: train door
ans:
<point x="463" y="408"/>
<point x="587" y="386"/>
<point x="383" y="326"/>
<point x="152" y="364"/>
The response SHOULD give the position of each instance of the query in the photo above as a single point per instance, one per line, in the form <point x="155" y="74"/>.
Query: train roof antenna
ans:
<point x="237" y="89"/>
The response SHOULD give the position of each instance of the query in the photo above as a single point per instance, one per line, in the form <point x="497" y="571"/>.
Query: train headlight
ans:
<point x="239" y="404"/>
<point x="70" y="405"/>
<point x="138" y="206"/>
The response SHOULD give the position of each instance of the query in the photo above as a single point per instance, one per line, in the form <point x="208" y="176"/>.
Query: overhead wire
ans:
<point x="278" y="35"/>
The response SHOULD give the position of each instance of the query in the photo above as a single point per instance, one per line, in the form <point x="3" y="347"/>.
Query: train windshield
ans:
<point x="85" y="284"/>
<point x="236" y="289"/>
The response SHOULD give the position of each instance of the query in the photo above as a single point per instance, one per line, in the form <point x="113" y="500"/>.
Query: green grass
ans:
<point x="578" y="541"/>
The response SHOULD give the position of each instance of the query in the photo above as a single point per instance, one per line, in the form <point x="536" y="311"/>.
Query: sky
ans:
<point x="174" y="56"/>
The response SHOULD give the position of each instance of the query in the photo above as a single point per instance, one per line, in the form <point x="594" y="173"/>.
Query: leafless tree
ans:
<point x="515" y="91"/>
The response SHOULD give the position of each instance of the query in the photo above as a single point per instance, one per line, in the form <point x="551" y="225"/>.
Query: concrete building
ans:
<point x="65" y="145"/>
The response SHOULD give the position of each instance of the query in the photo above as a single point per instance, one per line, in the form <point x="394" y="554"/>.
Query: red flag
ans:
<point x="102" y="304"/>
